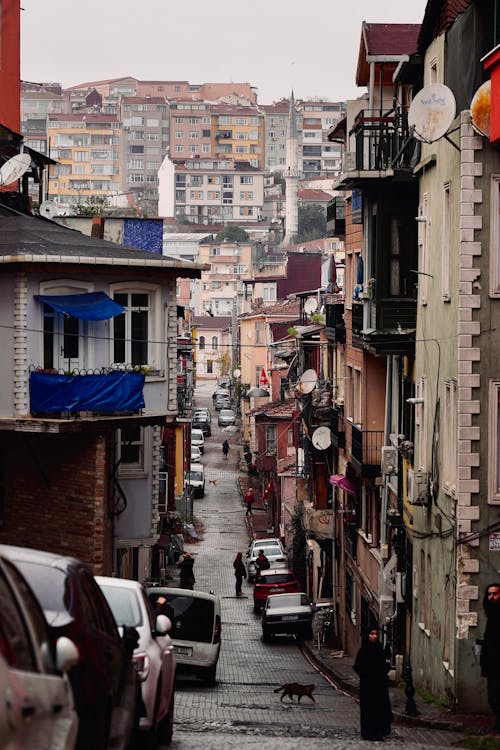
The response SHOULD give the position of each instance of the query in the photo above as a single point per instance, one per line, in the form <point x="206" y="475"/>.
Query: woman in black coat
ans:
<point x="374" y="701"/>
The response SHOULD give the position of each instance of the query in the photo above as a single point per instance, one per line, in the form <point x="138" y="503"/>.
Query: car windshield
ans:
<point x="52" y="589"/>
<point x="290" y="600"/>
<point x="192" y="618"/>
<point x="124" y="605"/>
<point x="269" y="551"/>
<point x="195" y="476"/>
<point x="196" y="435"/>
<point x="275" y="579"/>
<point x="226" y="413"/>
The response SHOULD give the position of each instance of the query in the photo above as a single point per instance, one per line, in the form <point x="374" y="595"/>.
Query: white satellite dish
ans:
<point x="310" y="305"/>
<point x="236" y="373"/>
<point x="14" y="168"/>
<point x="307" y="381"/>
<point x="48" y="209"/>
<point x="321" y="438"/>
<point x="431" y="112"/>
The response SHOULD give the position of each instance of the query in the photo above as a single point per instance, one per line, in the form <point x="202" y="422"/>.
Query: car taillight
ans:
<point x="280" y="559"/>
<point x="142" y="664"/>
<point x="217" y="630"/>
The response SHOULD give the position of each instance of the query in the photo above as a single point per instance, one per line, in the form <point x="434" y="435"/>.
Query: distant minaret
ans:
<point x="292" y="177"/>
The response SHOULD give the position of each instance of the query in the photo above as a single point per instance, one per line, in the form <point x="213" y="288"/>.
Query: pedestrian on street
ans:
<point x="262" y="562"/>
<point x="490" y="650"/>
<point x="249" y="500"/>
<point x="374" y="701"/>
<point x="186" y="566"/>
<point x="225" y="448"/>
<point x="239" y="572"/>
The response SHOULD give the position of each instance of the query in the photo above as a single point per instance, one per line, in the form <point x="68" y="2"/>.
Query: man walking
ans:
<point x="490" y="651"/>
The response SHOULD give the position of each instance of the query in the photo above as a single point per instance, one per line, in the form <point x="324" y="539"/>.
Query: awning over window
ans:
<point x="89" y="306"/>
<point x="344" y="483"/>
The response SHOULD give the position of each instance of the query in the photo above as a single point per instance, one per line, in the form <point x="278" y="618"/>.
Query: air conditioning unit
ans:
<point x="389" y="464"/>
<point x="418" y="487"/>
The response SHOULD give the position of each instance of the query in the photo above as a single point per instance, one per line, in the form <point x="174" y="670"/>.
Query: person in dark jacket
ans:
<point x="225" y="448"/>
<point x="239" y="572"/>
<point x="490" y="651"/>
<point x="374" y="701"/>
<point x="186" y="571"/>
<point x="262" y="562"/>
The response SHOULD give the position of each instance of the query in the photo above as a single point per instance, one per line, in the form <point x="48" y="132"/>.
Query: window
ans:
<point x="495" y="236"/>
<point x="356" y="395"/>
<point x="271" y="441"/>
<point x="422" y="614"/>
<point x="131" y="328"/>
<point x="289" y="437"/>
<point x="269" y="293"/>
<point x="205" y="148"/>
<point x="64" y="337"/>
<point x="193" y="134"/>
<point x="433" y="70"/>
<point x="246" y="195"/>
<point x="215" y="342"/>
<point x="194" y="149"/>
<point x="131" y="445"/>
<point x="450" y="442"/>
<point x="81" y="156"/>
<point x="246" y="210"/>
<point x="201" y="342"/>
<point x="494" y="443"/>
<point x="246" y="180"/>
<point x="259" y="333"/>
<point x="446" y="244"/>
<point x="213" y="195"/>
<point x="179" y="149"/>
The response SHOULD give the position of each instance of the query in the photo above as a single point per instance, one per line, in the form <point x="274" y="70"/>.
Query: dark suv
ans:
<point x="105" y="683"/>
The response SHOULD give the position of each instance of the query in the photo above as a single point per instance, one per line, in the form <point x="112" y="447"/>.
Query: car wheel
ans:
<point x="209" y="675"/>
<point x="165" y="727"/>
<point x="151" y="738"/>
<point x="266" y="635"/>
<point x="256" y="609"/>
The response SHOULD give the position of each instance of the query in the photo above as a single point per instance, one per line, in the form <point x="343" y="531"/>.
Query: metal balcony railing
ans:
<point x="382" y="140"/>
<point x="366" y="446"/>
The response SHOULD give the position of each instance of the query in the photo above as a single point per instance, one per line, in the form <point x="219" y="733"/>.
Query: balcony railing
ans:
<point x="337" y="427"/>
<point x="366" y="449"/>
<point x="382" y="141"/>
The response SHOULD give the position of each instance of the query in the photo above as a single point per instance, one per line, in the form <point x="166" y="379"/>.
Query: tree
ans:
<point x="312" y="222"/>
<point x="233" y="233"/>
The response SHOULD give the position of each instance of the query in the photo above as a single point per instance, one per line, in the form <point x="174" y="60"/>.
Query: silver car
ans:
<point x="273" y="550"/>
<point x="154" y="655"/>
<point x="226" y="417"/>
<point x="290" y="614"/>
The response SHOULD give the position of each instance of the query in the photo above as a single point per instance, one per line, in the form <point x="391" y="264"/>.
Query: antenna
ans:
<point x="14" y="168"/>
<point x="310" y="305"/>
<point x="480" y="109"/>
<point x="431" y="112"/>
<point x="48" y="209"/>
<point x="321" y="438"/>
<point x="307" y="382"/>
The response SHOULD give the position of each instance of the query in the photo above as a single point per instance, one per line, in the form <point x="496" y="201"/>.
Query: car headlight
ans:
<point x="142" y="664"/>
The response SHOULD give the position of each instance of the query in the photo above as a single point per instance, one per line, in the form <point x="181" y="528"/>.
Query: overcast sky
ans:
<point x="276" y="45"/>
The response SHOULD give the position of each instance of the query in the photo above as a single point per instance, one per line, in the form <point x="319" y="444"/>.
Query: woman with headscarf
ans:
<point x="374" y="701"/>
<point x="239" y="572"/>
<point x="186" y="571"/>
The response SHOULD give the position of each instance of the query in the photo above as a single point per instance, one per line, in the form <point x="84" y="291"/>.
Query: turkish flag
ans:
<point x="263" y="380"/>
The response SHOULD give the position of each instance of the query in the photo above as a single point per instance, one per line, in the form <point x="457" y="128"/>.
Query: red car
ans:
<point x="269" y="582"/>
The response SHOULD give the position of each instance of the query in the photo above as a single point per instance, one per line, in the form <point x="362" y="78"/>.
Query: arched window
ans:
<point x="202" y="342"/>
<point x="215" y="342"/>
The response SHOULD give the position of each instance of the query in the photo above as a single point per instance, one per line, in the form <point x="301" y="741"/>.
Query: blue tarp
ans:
<point x="116" y="391"/>
<point x="88" y="306"/>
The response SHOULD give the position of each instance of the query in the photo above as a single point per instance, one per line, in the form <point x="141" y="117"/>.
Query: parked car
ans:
<point x="196" y="628"/>
<point x="154" y="654"/>
<point x="198" y="439"/>
<point x="271" y="582"/>
<point x="273" y="550"/>
<point x="203" y="412"/>
<point x="202" y="421"/>
<point x="222" y="402"/>
<point x="105" y="683"/>
<point x="288" y="614"/>
<point x="195" y="454"/>
<point x="195" y="479"/>
<point x="226" y="417"/>
<point x="224" y="381"/>
<point x="221" y="392"/>
<point x="37" y="708"/>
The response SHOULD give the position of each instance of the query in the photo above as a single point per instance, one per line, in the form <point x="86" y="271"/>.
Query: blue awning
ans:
<point x="89" y="306"/>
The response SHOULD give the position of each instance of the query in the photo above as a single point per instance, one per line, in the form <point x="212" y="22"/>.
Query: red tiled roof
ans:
<point x="439" y="16"/>
<point x="217" y="322"/>
<point x="379" y="39"/>
<point x="314" y="195"/>
<point x="91" y="84"/>
<point x="277" y="409"/>
<point x="84" y="116"/>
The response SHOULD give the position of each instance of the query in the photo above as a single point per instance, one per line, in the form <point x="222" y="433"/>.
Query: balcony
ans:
<point x="383" y="149"/>
<point x="335" y="324"/>
<point x="366" y="450"/>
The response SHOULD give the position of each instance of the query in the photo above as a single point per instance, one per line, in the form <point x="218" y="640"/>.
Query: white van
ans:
<point x="195" y="479"/>
<point x="196" y="627"/>
<point x="198" y="439"/>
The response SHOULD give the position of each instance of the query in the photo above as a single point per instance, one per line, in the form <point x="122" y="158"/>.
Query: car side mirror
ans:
<point x="67" y="655"/>
<point x="162" y="625"/>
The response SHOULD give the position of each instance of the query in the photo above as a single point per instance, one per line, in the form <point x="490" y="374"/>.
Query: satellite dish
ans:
<point x="480" y="108"/>
<point x="310" y="305"/>
<point x="321" y="438"/>
<point x="431" y="112"/>
<point x="236" y="373"/>
<point x="48" y="209"/>
<point x="14" y="168"/>
<point x="307" y="381"/>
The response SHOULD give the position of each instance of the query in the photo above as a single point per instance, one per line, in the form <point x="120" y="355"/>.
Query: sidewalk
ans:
<point x="340" y="670"/>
